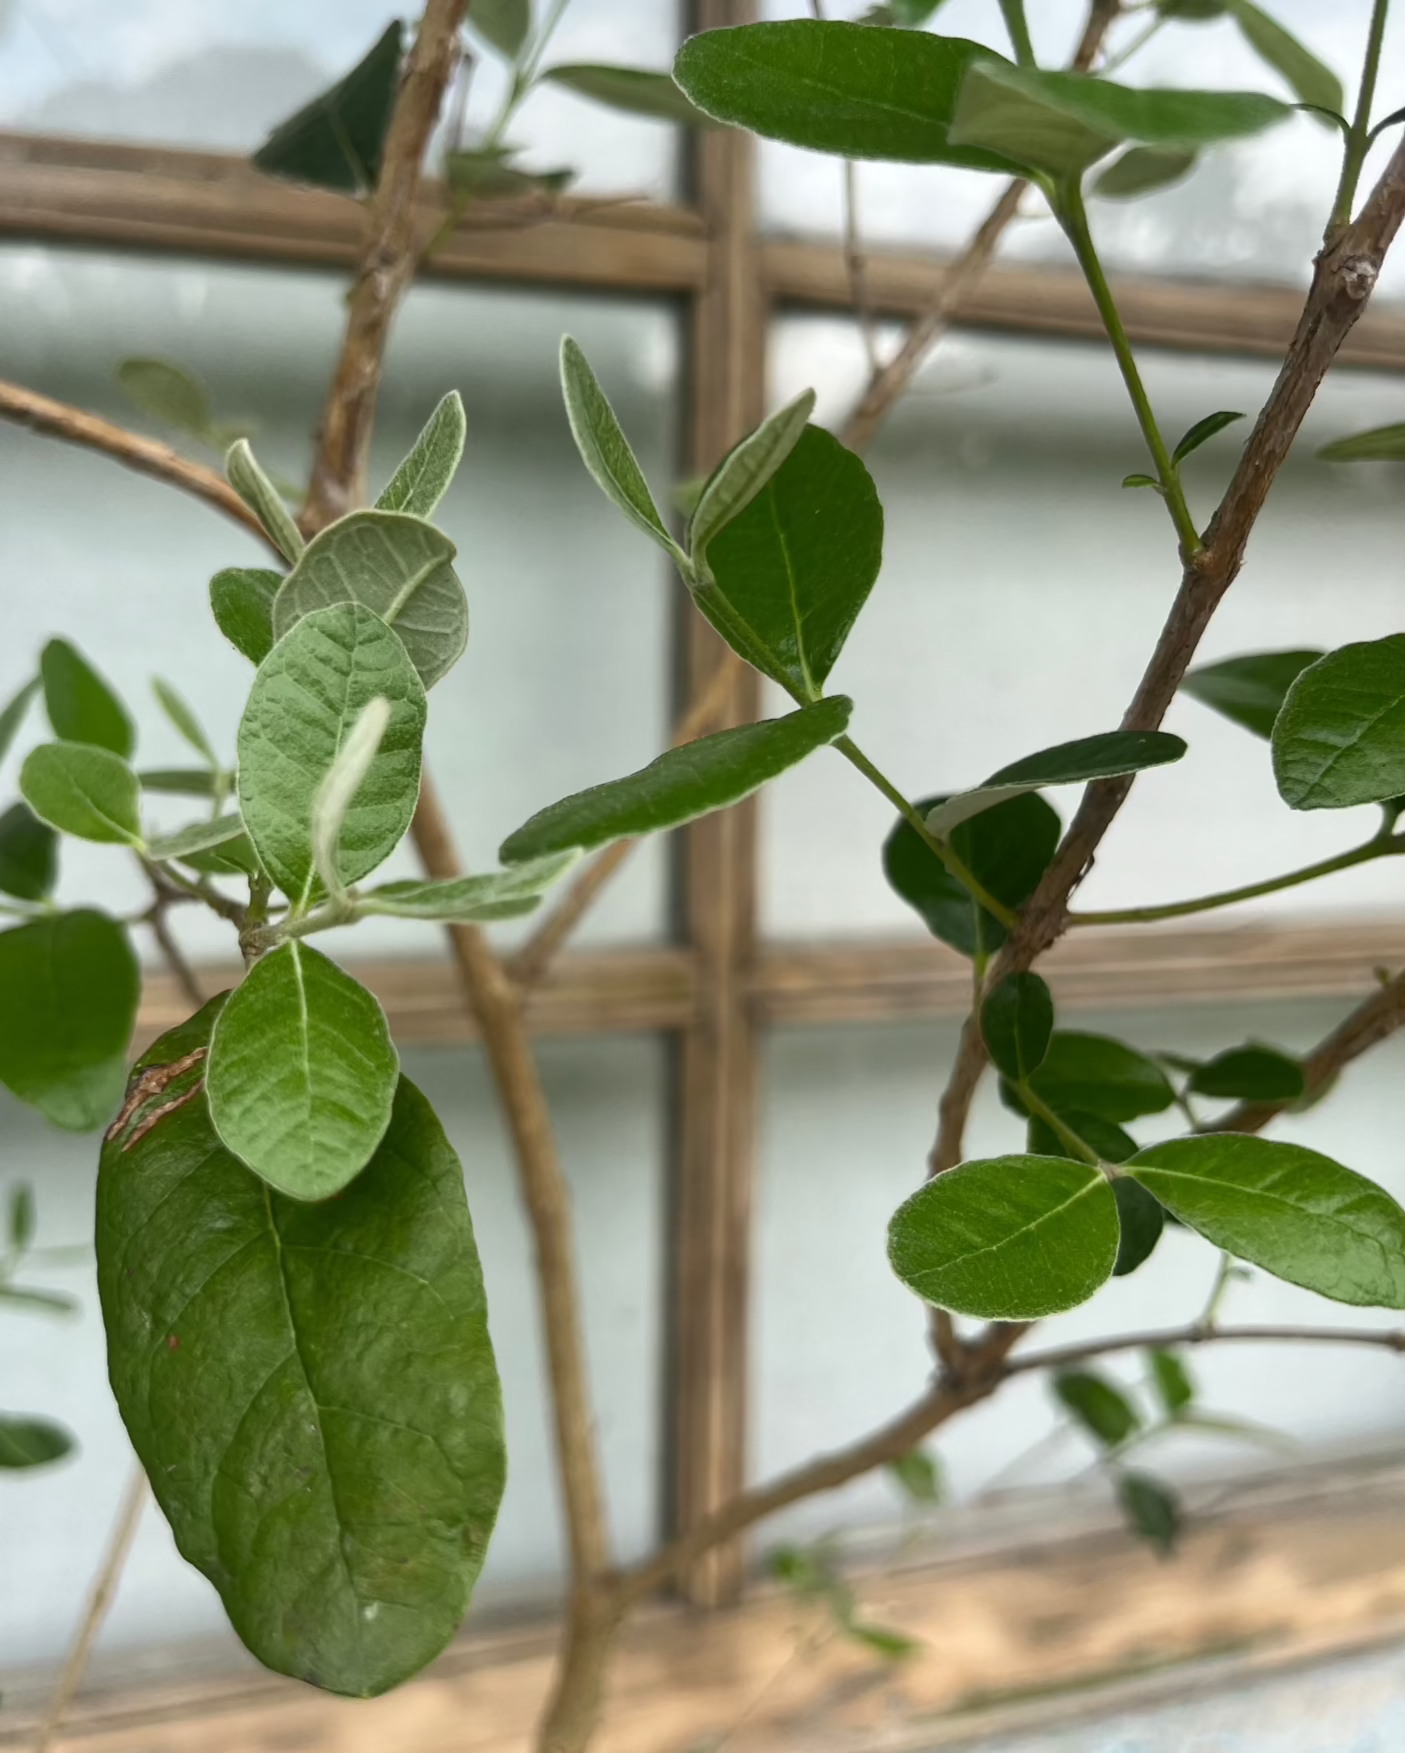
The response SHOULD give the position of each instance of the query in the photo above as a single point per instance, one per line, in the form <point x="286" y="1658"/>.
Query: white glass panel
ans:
<point x="848" y="1116"/>
<point x="565" y="679"/>
<point x="1023" y="591"/>
<point x="607" y="1099"/>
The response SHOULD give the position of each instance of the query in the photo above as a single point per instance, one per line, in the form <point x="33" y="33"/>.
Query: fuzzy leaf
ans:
<point x="82" y="707"/>
<point x="241" y="598"/>
<point x="604" y="448"/>
<point x="745" y="470"/>
<point x="84" y="791"/>
<point x="427" y="472"/>
<point x="258" y="492"/>
<point x="501" y="894"/>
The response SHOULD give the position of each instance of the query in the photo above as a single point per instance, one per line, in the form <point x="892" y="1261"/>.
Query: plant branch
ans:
<point x="1358" y="142"/>
<point x="1197" y="1333"/>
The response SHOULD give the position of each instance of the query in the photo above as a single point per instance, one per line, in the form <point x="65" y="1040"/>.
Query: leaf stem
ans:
<point x="1358" y="142"/>
<point x="1066" y="1135"/>
<point x="1018" y="26"/>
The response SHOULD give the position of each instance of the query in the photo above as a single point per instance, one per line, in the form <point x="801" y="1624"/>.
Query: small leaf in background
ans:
<point x="308" y="692"/>
<point x="183" y="719"/>
<point x="1111" y="1143"/>
<point x="1007" y="850"/>
<point x="400" y="568"/>
<point x="636" y="90"/>
<point x="1008" y="1239"/>
<point x="241" y="598"/>
<point x="427" y="472"/>
<point x="1102" y="1409"/>
<point x="1249" y="1074"/>
<point x="840" y="88"/>
<point x="84" y="791"/>
<point x="1100" y="1076"/>
<point x="1139" y="480"/>
<point x="82" y="707"/>
<point x="29" y="854"/>
<point x="231" y="858"/>
<point x="253" y="486"/>
<point x="488" y="175"/>
<point x="1339" y="739"/>
<point x="1311" y="82"/>
<point x="604" y="448"/>
<point x="337" y="140"/>
<point x="198" y="837"/>
<point x="1106" y="756"/>
<point x="178" y="781"/>
<point x="1141" y="169"/>
<point x="176" y="397"/>
<point x="344" y="779"/>
<point x="681" y="785"/>
<point x="500" y="894"/>
<point x="302" y="1073"/>
<point x="791" y="572"/>
<point x="1202" y="432"/>
<point x="892" y="1646"/>
<point x="71" y="986"/>
<point x="745" y="470"/>
<point x="1141" y="1219"/>
<point x="1192" y="11"/>
<point x="12" y="717"/>
<point x="918" y="1476"/>
<point x="1013" y="116"/>
<point x="1174" y="1388"/>
<point x="502" y="24"/>
<point x="1249" y="691"/>
<point x="1017" y="1023"/>
<point x="1152" y="1510"/>
<point x="1292" y="1211"/>
<point x="21" y="1221"/>
<point x="31" y="1442"/>
<point x="1382" y="444"/>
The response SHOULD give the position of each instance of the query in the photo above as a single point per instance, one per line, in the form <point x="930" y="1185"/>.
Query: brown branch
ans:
<point x="1168" y="1338"/>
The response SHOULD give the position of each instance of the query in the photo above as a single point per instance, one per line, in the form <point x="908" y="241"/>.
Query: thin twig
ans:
<point x="1198" y="1333"/>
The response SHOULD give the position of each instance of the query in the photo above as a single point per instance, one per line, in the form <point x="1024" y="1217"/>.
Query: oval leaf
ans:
<point x="198" y="837"/>
<point x="1249" y="1074"/>
<point x="681" y="785"/>
<point x="82" y="708"/>
<point x="745" y="470"/>
<point x="1141" y="169"/>
<point x="1296" y="1213"/>
<point x="1141" y="1219"/>
<point x="337" y="140"/>
<point x="604" y="448"/>
<point x="1111" y="1143"/>
<point x="638" y="91"/>
<point x="1311" y="82"/>
<point x="172" y="395"/>
<point x="29" y="854"/>
<point x="1152" y="1510"/>
<point x="1017" y="1024"/>
<point x="501" y="894"/>
<point x="1249" y="690"/>
<point x="1009" y="1239"/>
<point x="1100" y="1076"/>
<point x="425" y="476"/>
<point x="1174" y="1386"/>
<point x="301" y="1073"/>
<point x="311" y="1388"/>
<point x="1107" y="756"/>
<point x="31" y="1442"/>
<point x="1339" y="739"/>
<point x="84" y="791"/>
<point x="308" y="693"/>
<point x="1103" y="1410"/>
<point x="242" y="600"/>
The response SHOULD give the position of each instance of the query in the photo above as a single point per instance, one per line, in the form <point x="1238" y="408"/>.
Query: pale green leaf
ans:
<point x="198" y="837"/>
<point x="345" y="778"/>
<point x="1381" y="444"/>
<point x="500" y="894"/>
<point x="745" y="470"/>
<point x="1311" y="82"/>
<point x="12" y="717"/>
<point x="178" y="781"/>
<point x="502" y="24"/>
<point x="604" y="448"/>
<point x="919" y="1476"/>
<point x="1107" y="756"/>
<point x="82" y="707"/>
<point x="1142" y="169"/>
<point x="84" y="791"/>
<point x="184" y="719"/>
<point x="174" y="396"/>
<point x="1339" y="739"/>
<point x="424" y="477"/>
<point x="263" y="499"/>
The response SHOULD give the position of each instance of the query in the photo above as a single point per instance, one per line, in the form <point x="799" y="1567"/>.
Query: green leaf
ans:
<point x="1339" y="739"/>
<point x="183" y="719"/>
<point x="344" y="779"/>
<point x="178" y="781"/>
<point x="744" y="471"/>
<point x="1104" y="1411"/>
<point x="400" y="568"/>
<point x="681" y="785"/>
<point x="29" y="854"/>
<point x="1152" y="1510"/>
<point x="1174" y="1387"/>
<point x="174" y="396"/>
<point x="1139" y="480"/>
<point x="1141" y="169"/>
<point x="919" y="1476"/>
<point x="787" y="577"/>
<point x="1202" y="432"/>
<point x="914" y="12"/>
<point x="1141" y="1219"/>
<point x="1249" y="1074"/>
<point x="425" y="476"/>
<point x="307" y="694"/>
<point x="487" y="175"/>
<point x="302" y="1073"/>
<point x="263" y="499"/>
<point x="1010" y="1239"/>
<point x="893" y="1646"/>
<point x="12" y="717"/>
<point x="1192" y="11"/>
<point x="198" y="837"/>
<point x="84" y="791"/>
<point x="604" y="448"/>
<point x="501" y="894"/>
<point x="636" y="90"/>
<point x="21" y="1224"/>
<point x="1311" y="82"/>
<point x="1296" y="1213"/>
<point x="1249" y="690"/>
<point x="840" y="88"/>
<point x="1100" y="1076"/>
<point x="1017" y="1024"/>
<point x="241" y="598"/>
<point x="337" y="140"/>
<point x="82" y="708"/>
<point x="31" y="1442"/>
<point x="70" y="985"/>
<point x="1107" y="756"/>
<point x="232" y="858"/>
<point x="1007" y="850"/>
<point x="311" y="1388"/>
<point x="1112" y="1144"/>
<point x="53" y="1302"/>
<point x="502" y="24"/>
<point x="1381" y="444"/>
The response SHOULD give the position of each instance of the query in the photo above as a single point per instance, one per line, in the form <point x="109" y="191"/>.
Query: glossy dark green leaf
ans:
<point x="69" y="986"/>
<point x="919" y="1476"/>
<point x="1152" y="1510"/>
<point x="427" y="472"/>
<point x="744" y="471"/>
<point x="1142" y="169"/>
<point x="1203" y="431"/>
<point x="258" y="492"/>
<point x="31" y="1442"/>
<point x="1100" y="1076"/>
<point x="1174" y="1387"/>
<point x="1339" y="739"/>
<point x="681" y="785"/>
<point x="311" y="1388"/>
<point x="1102" y="1409"/>
<point x="308" y="693"/>
<point x="790" y="573"/>
<point x="637" y="91"/>
<point x="1381" y="444"/>
<point x="1311" y="82"/>
<point x="1009" y="1239"/>
<point x="20" y="1226"/>
<point x="12" y="716"/>
<point x="1017" y="1024"/>
<point x="1292" y="1211"/>
<point x="500" y="894"/>
<point x="1112" y="1144"/>
<point x="604" y="448"/>
<point x="1007" y="850"/>
<point x="503" y="24"/>
<point x="176" y="397"/>
<point x="1249" y="690"/>
<point x="1249" y="1074"/>
<point x="1106" y="756"/>
<point x="841" y="88"/>
<point x="82" y="707"/>
<point x="398" y="567"/>
<point x="1142" y="1220"/>
<point x="337" y="140"/>
<point x="84" y="791"/>
<point x="29" y="854"/>
<point x="242" y="600"/>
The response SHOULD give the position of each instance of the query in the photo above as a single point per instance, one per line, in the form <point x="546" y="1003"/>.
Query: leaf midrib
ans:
<point x="1016" y="1235"/>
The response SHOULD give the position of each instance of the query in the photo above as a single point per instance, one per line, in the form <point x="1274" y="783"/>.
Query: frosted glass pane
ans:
<point x="847" y="1119"/>
<point x="565" y="678"/>
<point x="607" y="1099"/>
<point x="1252" y="211"/>
<point x="220" y="77"/>
<point x="1022" y="592"/>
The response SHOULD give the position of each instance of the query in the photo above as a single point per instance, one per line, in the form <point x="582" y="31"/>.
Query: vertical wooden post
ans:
<point x="717" y="1076"/>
